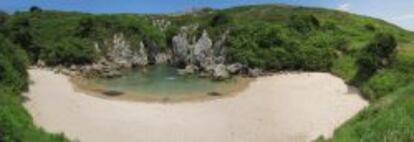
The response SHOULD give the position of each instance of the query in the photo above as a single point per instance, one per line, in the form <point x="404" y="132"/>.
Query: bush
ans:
<point x="303" y="23"/>
<point x="220" y="18"/>
<point x="69" y="51"/>
<point x="35" y="9"/>
<point x="13" y="64"/>
<point x="383" y="47"/>
<point x="273" y="48"/>
<point x="15" y="123"/>
<point x="378" y="53"/>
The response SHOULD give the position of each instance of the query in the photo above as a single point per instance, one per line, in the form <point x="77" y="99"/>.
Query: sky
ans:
<point x="399" y="12"/>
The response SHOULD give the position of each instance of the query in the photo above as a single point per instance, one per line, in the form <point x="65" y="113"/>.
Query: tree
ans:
<point x="85" y="27"/>
<point x="35" y="9"/>
<point x="303" y="23"/>
<point x="69" y="51"/>
<point x="378" y="54"/>
<point x="3" y="17"/>
<point x="220" y="19"/>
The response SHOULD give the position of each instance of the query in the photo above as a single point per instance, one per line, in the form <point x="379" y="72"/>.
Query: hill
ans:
<point x="366" y="52"/>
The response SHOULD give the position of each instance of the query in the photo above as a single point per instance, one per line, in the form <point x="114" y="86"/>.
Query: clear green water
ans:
<point x="162" y="80"/>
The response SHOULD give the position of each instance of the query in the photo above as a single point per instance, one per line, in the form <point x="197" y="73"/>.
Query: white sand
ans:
<point x="294" y="107"/>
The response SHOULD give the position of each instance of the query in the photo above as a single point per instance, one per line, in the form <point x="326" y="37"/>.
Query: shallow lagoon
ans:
<point x="163" y="81"/>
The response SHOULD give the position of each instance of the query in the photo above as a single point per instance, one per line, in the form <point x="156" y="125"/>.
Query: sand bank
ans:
<point x="295" y="107"/>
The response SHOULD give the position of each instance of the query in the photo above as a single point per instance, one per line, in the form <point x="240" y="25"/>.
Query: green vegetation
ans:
<point x="371" y="54"/>
<point x="387" y="120"/>
<point x="15" y="123"/>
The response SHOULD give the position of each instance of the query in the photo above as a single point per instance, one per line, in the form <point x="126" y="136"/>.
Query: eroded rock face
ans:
<point x="189" y="69"/>
<point x="220" y="72"/>
<point x="203" y="52"/>
<point x="201" y="56"/>
<point x="140" y="57"/>
<point x="181" y="48"/>
<point x="120" y="52"/>
<point x="254" y="72"/>
<point x="235" y="68"/>
<point x="207" y="56"/>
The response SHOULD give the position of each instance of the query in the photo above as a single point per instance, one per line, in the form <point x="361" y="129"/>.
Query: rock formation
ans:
<point x="191" y="55"/>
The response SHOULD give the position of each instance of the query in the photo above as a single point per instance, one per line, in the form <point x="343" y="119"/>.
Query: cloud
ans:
<point x="344" y="7"/>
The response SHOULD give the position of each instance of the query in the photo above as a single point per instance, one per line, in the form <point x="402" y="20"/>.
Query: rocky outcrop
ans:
<point x="203" y="53"/>
<point x="189" y="69"/>
<point x="181" y="49"/>
<point x="235" y="68"/>
<point x="192" y="55"/>
<point x="122" y="54"/>
<point x="220" y="72"/>
<point x="254" y="72"/>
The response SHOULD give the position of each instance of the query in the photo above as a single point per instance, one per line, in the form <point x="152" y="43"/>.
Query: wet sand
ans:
<point x="293" y="107"/>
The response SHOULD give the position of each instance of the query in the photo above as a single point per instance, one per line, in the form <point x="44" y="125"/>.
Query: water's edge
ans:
<point x="84" y="85"/>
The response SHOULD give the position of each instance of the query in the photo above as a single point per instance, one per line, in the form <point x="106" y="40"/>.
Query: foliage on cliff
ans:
<point x="374" y="55"/>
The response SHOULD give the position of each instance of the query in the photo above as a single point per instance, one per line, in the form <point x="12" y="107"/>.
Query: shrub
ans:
<point x="378" y="53"/>
<point x="220" y="18"/>
<point x="35" y="9"/>
<point x="13" y="64"/>
<point x="303" y="23"/>
<point x="69" y="51"/>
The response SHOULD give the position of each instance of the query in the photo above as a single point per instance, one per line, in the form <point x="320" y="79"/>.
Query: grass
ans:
<point x="272" y="37"/>
<point x="390" y="119"/>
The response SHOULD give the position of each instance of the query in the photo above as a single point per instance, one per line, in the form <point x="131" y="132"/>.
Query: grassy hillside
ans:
<point x="371" y="54"/>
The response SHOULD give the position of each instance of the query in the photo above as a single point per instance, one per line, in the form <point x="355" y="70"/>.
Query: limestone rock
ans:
<point x="181" y="48"/>
<point x="139" y="58"/>
<point x="234" y="68"/>
<point x="41" y="63"/>
<point x="254" y="72"/>
<point x="220" y="72"/>
<point x="202" y="49"/>
<point x="189" y="69"/>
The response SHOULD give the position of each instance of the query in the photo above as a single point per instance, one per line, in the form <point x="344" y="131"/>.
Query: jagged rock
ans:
<point x="181" y="48"/>
<point x="140" y="57"/>
<point x="220" y="72"/>
<point x="73" y="67"/>
<point x="202" y="49"/>
<point x="234" y="68"/>
<point x="120" y="52"/>
<point x="41" y="63"/>
<point x="208" y="57"/>
<point x="189" y="69"/>
<point x="102" y="68"/>
<point x="254" y="72"/>
<point x="162" y="58"/>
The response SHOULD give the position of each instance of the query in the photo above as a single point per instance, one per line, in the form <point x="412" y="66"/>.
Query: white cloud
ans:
<point x="344" y="7"/>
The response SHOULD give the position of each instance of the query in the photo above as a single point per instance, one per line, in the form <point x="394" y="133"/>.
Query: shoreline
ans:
<point x="81" y="84"/>
<point x="291" y="108"/>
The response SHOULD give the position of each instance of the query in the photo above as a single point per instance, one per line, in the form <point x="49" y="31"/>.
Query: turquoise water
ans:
<point x="162" y="80"/>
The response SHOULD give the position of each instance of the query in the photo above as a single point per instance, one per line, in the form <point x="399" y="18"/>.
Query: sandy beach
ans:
<point x="294" y="107"/>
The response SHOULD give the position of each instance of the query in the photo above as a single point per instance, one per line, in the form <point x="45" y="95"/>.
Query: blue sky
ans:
<point x="400" y="12"/>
